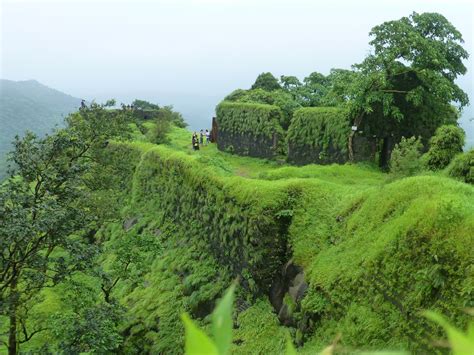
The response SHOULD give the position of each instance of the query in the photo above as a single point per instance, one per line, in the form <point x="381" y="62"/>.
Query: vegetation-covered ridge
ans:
<point x="370" y="250"/>
<point x="118" y="227"/>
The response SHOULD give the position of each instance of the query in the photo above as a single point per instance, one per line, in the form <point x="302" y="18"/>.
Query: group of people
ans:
<point x="203" y="138"/>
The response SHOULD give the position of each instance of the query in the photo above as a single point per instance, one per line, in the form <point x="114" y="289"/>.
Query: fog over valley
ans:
<point x="191" y="53"/>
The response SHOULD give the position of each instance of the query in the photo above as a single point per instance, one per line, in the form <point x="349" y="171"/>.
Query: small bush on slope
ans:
<point x="157" y="134"/>
<point x="444" y="145"/>
<point x="462" y="167"/>
<point x="256" y="325"/>
<point x="405" y="158"/>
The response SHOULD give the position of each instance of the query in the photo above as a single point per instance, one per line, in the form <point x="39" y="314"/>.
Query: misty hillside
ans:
<point x="29" y="105"/>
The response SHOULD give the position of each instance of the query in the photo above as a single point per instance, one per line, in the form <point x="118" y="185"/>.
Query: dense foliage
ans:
<point x="279" y="98"/>
<point x="326" y="238"/>
<point x="44" y="208"/>
<point x="177" y="228"/>
<point x="105" y="242"/>
<point x="144" y="110"/>
<point x="144" y="105"/>
<point x="405" y="87"/>
<point x="447" y="142"/>
<point x="266" y="81"/>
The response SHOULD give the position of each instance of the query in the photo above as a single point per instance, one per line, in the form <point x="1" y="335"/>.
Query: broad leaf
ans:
<point x="196" y="341"/>
<point x="460" y="343"/>
<point x="290" y="349"/>
<point x="222" y="323"/>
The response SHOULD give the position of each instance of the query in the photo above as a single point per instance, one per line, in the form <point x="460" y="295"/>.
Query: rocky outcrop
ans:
<point x="287" y="292"/>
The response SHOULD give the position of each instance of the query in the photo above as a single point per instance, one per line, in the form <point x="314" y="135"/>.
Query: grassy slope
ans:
<point x="359" y="236"/>
<point x="374" y="253"/>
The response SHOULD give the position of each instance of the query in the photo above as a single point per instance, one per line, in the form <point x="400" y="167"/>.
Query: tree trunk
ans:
<point x="385" y="153"/>
<point x="350" y="145"/>
<point x="12" y="341"/>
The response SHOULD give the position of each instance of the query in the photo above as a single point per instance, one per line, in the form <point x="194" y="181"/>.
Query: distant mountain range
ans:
<point x="29" y="105"/>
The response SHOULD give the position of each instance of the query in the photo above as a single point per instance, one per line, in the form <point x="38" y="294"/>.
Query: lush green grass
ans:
<point x="382" y="256"/>
<point x="362" y="239"/>
<point x="375" y="252"/>
<point x="228" y="165"/>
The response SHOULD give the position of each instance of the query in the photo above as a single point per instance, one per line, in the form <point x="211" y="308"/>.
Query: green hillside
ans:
<point x="373" y="253"/>
<point x="29" y="105"/>
<point x="121" y="232"/>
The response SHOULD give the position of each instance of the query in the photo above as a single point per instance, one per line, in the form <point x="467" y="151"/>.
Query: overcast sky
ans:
<point x="194" y="52"/>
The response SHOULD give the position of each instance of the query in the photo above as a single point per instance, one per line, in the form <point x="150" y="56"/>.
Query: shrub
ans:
<point x="406" y="157"/>
<point x="236" y="95"/>
<point x="444" y="145"/>
<point x="157" y="133"/>
<point x="167" y="113"/>
<point x="280" y="98"/>
<point x="462" y="167"/>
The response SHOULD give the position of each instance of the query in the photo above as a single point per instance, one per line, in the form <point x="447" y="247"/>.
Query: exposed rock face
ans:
<point x="297" y="291"/>
<point x="287" y="292"/>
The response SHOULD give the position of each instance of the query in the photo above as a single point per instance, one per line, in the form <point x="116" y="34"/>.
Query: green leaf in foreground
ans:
<point x="197" y="342"/>
<point x="222" y="323"/>
<point x="290" y="349"/>
<point x="460" y="343"/>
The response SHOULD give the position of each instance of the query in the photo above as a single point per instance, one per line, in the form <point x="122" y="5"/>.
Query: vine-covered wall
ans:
<point x="249" y="129"/>
<point x="318" y="135"/>
<point x="235" y="221"/>
<point x="315" y="135"/>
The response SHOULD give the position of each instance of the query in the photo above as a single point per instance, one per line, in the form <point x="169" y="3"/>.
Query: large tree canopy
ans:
<point x="407" y="85"/>
<point x="404" y="87"/>
<point x="266" y="81"/>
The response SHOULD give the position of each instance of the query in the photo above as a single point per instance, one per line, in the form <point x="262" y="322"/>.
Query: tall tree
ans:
<point x="44" y="211"/>
<point x="266" y="81"/>
<point x="290" y="83"/>
<point x="407" y="85"/>
<point x="315" y="89"/>
<point x="144" y="105"/>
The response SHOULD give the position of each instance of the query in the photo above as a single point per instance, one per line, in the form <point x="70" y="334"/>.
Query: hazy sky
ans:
<point x="194" y="52"/>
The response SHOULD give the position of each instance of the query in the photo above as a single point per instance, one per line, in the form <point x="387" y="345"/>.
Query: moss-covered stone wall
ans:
<point x="249" y="129"/>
